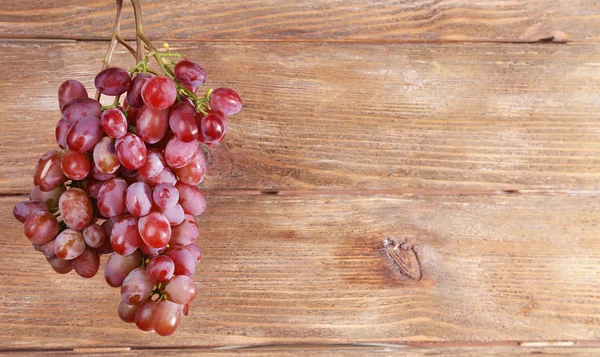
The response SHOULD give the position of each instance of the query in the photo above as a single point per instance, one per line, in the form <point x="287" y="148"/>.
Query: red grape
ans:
<point x="155" y="229"/>
<point x="138" y="199"/>
<point x="99" y="175"/>
<point x="87" y="264"/>
<point x="119" y="266"/>
<point x="181" y="289"/>
<point x="69" y="244"/>
<point x="149" y="251"/>
<point x="194" y="172"/>
<point x="225" y="100"/>
<point x="75" y="166"/>
<point x="111" y="198"/>
<point x="183" y="122"/>
<point x="22" y="210"/>
<point x="165" y="176"/>
<point x="134" y="95"/>
<point x="94" y="236"/>
<point x="105" y="156"/>
<point x="174" y="214"/>
<point x="154" y="164"/>
<point x="113" y="81"/>
<point x="191" y="199"/>
<point x="159" y="92"/>
<point x="50" y="197"/>
<point x="136" y="287"/>
<point x="47" y="249"/>
<point x="131" y="151"/>
<point x="48" y="174"/>
<point x="76" y="208"/>
<point x="124" y="237"/>
<point x="41" y="227"/>
<point x="165" y="195"/>
<point x="185" y="233"/>
<point x="183" y="259"/>
<point x="195" y="251"/>
<point x="189" y="73"/>
<point x="160" y="269"/>
<point x="179" y="153"/>
<point x="69" y="90"/>
<point x="144" y="316"/>
<point x="152" y="124"/>
<point x="84" y="134"/>
<point x="80" y="108"/>
<point x="60" y="266"/>
<point x="213" y="128"/>
<point x="165" y="318"/>
<point x="113" y="123"/>
<point x="62" y="130"/>
<point x="127" y="312"/>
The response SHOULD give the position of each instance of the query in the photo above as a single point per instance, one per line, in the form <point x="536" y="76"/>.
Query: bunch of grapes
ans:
<point x="125" y="183"/>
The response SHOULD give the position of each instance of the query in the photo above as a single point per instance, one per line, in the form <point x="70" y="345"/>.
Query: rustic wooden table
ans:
<point x="470" y="130"/>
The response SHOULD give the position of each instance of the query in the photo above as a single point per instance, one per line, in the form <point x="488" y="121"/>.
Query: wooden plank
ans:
<point x="325" y="20"/>
<point x="314" y="269"/>
<point x="333" y="351"/>
<point x="338" y="116"/>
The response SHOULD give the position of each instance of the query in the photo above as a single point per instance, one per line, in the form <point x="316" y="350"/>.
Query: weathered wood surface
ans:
<point x="314" y="269"/>
<point x="325" y="20"/>
<point x="480" y="117"/>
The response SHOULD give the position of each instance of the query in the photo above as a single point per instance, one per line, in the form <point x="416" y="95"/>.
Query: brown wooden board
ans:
<point x="481" y="117"/>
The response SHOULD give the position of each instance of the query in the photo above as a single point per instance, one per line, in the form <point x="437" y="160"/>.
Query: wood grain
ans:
<point x="323" y="20"/>
<point x="337" y="116"/>
<point x="314" y="269"/>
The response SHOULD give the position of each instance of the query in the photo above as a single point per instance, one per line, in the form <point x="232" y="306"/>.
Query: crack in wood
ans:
<point x="405" y="257"/>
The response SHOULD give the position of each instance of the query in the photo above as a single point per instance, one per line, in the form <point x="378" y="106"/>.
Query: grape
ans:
<point x="213" y="128"/>
<point x="166" y="318"/>
<point x="165" y="176"/>
<point x="225" y="100"/>
<point x="75" y="166"/>
<point x="160" y="269"/>
<point x="174" y="214"/>
<point x="50" y="198"/>
<point x="134" y="95"/>
<point x="136" y="287"/>
<point x="181" y="289"/>
<point x="195" y="251"/>
<point x="111" y="198"/>
<point x="94" y="236"/>
<point x="152" y="124"/>
<point x="84" y="134"/>
<point x="127" y="312"/>
<point x="62" y="129"/>
<point x="22" y="210"/>
<point x="48" y="174"/>
<point x="185" y="233"/>
<point x="159" y="92"/>
<point x="59" y="265"/>
<point x="194" y="172"/>
<point x="178" y="153"/>
<point x="113" y="81"/>
<point x="131" y="151"/>
<point x="189" y="73"/>
<point x="124" y="236"/>
<point x="191" y="199"/>
<point x="105" y="156"/>
<point x="69" y="244"/>
<point x="138" y="199"/>
<point x="113" y="123"/>
<point x="47" y="249"/>
<point x="76" y="208"/>
<point x="155" y="229"/>
<point x="93" y="187"/>
<point x="41" y="227"/>
<point x="81" y="108"/>
<point x="119" y="266"/>
<point x="184" y="262"/>
<point x="185" y="309"/>
<point x="87" y="264"/>
<point x="132" y="113"/>
<point x="69" y="90"/>
<point x="154" y="164"/>
<point x="183" y="122"/>
<point x="165" y="195"/>
<point x="149" y="251"/>
<point x="144" y="316"/>
<point x="99" y="175"/>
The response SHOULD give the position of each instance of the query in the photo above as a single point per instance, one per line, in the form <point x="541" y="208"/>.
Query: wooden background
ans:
<point x="468" y="129"/>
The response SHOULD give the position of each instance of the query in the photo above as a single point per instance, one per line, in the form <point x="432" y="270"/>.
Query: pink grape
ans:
<point x="136" y="287"/>
<point x="50" y="197"/>
<point x="105" y="156"/>
<point x="119" y="266"/>
<point x="184" y="262"/>
<point x="46" y="249"/>
<point x="189" y="73"/>
<point x="155" y="229"/>
<point x="40" y="227"/>
<point x="195" y="251"/>
<point x="154" y="164"/>
<point x="94" y="236"/>
<point x="185" y="233"/>
<point x="191" y="199"/>
<point x="69" y="244"/>
<point x="183" y="122"/>
<point x="76" y="208"/>
<point x="48" y="173"/>
<point x="138" y="199"/>
<point x="22" y="210"/>
<point x="111" y="198"/>
<point x="144" y="316"/>
<point x="165" y="195"/>
<point x="159" y="92"/>
<point x="179" y="153"/>
<point x="84" y="134"/>
<point x="152" y="124"/>
<point x="93" y="187"/>
<point x="213" y="128"/>
<point x="124" y="236"/>
<point x="75" y="166"/>
<point x="99" y="175"/>
<point x="81" y="108"/>
<point x="87" y="264"/>
<point x="194" y="172"/>
<point x="62" y="130"/>
<point x="114" y="123"/>
<point x="165" y="176"/>
<point x="149" y="251"/>
<point x="160" y="269"/>
<point x="113" y="81"/>
<point x="166" y="318"/>
<point x="69" y="90"/>
<point x="181" y="289"/>
<point x="134" y="95"/>
<point x="225" y="100"/>
<point x="174" y="214"/>
<point x="127" y="312"/>
<point x="131" y="151"/>
<point x="60" y="266"/>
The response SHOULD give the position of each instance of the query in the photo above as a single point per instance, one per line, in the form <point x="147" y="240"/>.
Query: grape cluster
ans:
<point x="125" y="183"/>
